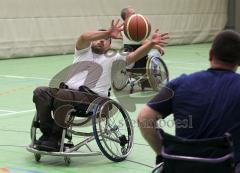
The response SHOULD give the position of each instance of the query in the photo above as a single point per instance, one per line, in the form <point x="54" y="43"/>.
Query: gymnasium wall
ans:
<point x="231" y="15"/>
<point x="45" y="27"/>
<point x="237" y="18"/>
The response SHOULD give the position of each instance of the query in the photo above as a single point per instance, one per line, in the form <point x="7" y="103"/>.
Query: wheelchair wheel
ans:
<point x="119" y="76"/>
<point x="157" y="73"/>
<point x="34" y="126"/>
<point x="121" y="81"/>
<point x="113" y="130"/>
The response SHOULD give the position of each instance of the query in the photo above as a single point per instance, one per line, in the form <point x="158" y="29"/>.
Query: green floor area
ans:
<point x="19" y="77"/>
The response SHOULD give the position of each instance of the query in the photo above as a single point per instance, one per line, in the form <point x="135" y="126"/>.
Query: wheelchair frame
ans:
<point x="153" y="77"/>
<point x="217" y="160"/>
<point x="99" y="134"/>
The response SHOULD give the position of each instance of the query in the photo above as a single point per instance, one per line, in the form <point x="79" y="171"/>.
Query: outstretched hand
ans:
<point x="115" y="29"/>
<point x="159" y="38"/>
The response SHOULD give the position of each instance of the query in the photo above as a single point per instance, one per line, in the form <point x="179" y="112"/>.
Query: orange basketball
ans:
<point x="137" y="28"/>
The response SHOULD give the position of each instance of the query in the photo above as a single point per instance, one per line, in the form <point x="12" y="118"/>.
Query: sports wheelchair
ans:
<point x="196" y="156"/>
<point x="154" y="75"/>
<point x="111" y="129"/>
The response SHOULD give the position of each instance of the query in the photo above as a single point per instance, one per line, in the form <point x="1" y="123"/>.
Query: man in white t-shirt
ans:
<point x="91" y="80"/>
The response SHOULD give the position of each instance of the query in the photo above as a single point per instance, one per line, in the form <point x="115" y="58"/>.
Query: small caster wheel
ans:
<point x="67" y="160"/>
<point x="142" y="87"/>
<point x="131" y="90"/>
<point x="37" y="157"/>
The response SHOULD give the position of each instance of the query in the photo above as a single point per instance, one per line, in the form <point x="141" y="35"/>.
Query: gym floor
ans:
<point x="19" y="77"/>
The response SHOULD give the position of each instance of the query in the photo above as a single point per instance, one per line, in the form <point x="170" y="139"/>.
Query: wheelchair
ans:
<point x="154" y="75"/>
<point x="112" y="130"/>
<point x="196" y="156"/>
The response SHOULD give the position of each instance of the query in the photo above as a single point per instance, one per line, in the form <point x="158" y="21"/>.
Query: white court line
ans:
<point x="187" y="68"/>
<point x="15" y="113"/>
<point x="24" y="77"/>
<point x="3" y="110"/>
<point x="186" y="63"/>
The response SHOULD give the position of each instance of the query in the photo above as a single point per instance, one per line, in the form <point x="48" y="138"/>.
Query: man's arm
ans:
<point x="85" y="39"/>
<point x="157" y="39"/>
<point x="157" y="46"/>
<point x="147" y="120"/>
<point x="139" y="53"/>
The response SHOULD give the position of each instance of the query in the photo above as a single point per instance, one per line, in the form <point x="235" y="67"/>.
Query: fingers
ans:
<point x="160" y="39"/>
<point x="121" y="29"/>
<point x="121" y="25"/>
<point x="165" y="36"/>
<point x="117" y="22"/>
<point x="156" y="31"/>
<point x="162" y="42"/>
<point x="112" y="24"/>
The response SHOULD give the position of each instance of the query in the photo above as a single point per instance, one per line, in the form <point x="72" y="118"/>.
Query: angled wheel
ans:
<point x="157" y="73"/>
<point x="120" y="81"/>
<point x="113" y="130"/>
<point x="34" y="126"/>
<point x="35" y="131"/>
<point x="119" y="75"/>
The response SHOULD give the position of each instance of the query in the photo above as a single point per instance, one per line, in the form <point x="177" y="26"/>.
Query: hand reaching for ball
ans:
<point x="115" y="29"/>
<point x="159" y="38"/>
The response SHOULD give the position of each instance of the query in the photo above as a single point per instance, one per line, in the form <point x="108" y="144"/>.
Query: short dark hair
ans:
<point x="226" y="47"/>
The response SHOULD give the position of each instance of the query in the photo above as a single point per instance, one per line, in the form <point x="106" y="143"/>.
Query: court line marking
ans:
<point x="19" y="112"/>
<point x="3" y="110"/>
<point x="24" y="77"/>
<point x="186" y="63"/>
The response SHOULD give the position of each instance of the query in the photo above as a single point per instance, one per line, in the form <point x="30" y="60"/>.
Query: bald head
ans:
<point x="126" y="12"/>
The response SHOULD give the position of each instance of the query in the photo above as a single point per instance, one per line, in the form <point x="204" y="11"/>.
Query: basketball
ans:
<point x="137" y="28"/>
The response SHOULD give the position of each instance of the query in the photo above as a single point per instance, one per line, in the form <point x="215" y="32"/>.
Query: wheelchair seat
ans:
<point x="196" y="155"/>
<point x="137" y="70"/>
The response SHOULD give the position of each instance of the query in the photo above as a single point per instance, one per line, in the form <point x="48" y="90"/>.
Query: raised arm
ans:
<point x="157" y="39"/>
<point x="85" y="39"/>
<point x="157" y="46"/>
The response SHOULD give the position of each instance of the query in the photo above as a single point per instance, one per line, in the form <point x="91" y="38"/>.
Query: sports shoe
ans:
<point x="41" y="139"/>
<point x="51" y="145"/>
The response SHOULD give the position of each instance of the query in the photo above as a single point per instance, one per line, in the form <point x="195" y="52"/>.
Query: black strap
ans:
<point x="84" y="88"/>
<point x="62" y="85"/>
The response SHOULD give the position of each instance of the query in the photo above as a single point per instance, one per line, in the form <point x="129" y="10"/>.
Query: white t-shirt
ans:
<point x="94" y="71"/>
